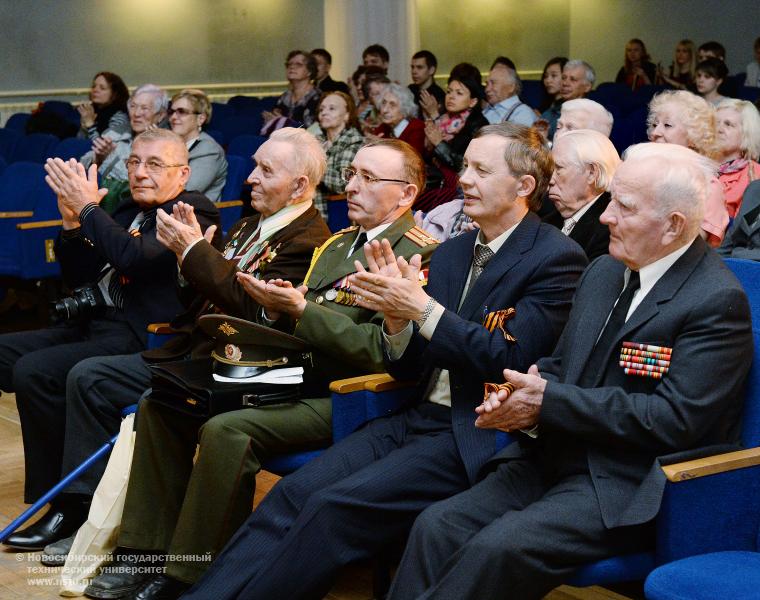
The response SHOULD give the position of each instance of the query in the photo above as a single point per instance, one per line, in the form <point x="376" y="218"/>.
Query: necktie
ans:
<point x="568" y="225"/>
<point x="479" y="261"/>
<point x="361" y="239"/>
<point x="600" y="354"/>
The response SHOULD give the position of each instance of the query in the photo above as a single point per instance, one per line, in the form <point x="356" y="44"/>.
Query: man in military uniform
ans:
<point x="202" y="505"/>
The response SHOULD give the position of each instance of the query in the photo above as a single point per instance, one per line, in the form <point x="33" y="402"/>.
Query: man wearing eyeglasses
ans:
<point x="147" y="109"/>
<point x="123" y="279"/>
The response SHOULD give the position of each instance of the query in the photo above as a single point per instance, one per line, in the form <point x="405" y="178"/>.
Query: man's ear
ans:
<point x="408" y="195"/>
<point x="300" y="185"/>
<point x="675" y="225"/>
<point x="526" y="184"/>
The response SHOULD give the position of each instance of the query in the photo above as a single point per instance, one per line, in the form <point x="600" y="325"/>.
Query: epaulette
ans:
<point x="346" y="230"/>
<point x="420" y="237"/>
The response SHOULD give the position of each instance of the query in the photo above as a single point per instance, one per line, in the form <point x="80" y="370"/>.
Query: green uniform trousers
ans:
<point x="190" y="510"/>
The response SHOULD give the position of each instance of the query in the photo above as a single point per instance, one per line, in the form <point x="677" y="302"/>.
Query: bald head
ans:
<point x="582" y="113"/>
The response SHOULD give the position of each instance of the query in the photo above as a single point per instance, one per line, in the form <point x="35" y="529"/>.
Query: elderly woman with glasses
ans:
<point x="298" y="104"/>
<point x="190" y="110"/>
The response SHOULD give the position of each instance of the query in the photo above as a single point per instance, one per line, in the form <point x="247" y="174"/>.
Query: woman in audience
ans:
<point x="189" y="111"/>
<point x="637" y="70"/>
<point x="552" y="80"/>
<point x="683" y="118"/>
<point x="372" y="84"/>
<point x="710" y="75"/>
<point x="738" y="136"/>
<point x="448" y="135"/>
<point x="681" y="73"/>
<point x="398" y="116"/>
<point x="298" y="104"/>
<point x="107" y="108"/>
<point x="340" y="138"/>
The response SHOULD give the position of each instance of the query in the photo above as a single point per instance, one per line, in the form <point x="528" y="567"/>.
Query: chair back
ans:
<point x="34" y="147"/>
<point x="8" y="140"/>
<point x="71" y="148"/>
<point x="748" y="274"/>
<point x="238" y="169"/>
<point x="245" y="145"/>
<point x="18" y="121"/>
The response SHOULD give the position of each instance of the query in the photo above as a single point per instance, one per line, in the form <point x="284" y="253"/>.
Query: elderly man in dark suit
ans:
<point x="743" y="239"/>
<point x="129" y="277"/>
<point x="495" y="297"/>
<point x="584" y="164"/>
<point x="606" y="415"/>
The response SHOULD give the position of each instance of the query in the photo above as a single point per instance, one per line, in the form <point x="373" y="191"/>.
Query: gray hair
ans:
<point x="404" y="96"/>
<point x="590" y="147"/>
<point x="308" y="155"/>
<point x="160" y="97"/>
<point x="750" y="118"/>
<point x="681" y="181"/>
<point x="600" y="119"/>
<point x="587" y="68"/>
<point x="166" y="135"/>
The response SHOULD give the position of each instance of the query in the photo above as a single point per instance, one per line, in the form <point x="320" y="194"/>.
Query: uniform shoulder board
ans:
<point x="420" y="237"/>
<point x="347" y="230"/>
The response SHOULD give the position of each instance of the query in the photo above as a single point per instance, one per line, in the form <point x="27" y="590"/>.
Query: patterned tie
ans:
<point x="479" y="261"/>
<point x="600" y="355"/>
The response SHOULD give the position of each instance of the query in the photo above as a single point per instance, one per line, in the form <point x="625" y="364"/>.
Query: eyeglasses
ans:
<point x="152" y="165"/>
<point x="348" y="173"/>
<point x="182" y="112"/>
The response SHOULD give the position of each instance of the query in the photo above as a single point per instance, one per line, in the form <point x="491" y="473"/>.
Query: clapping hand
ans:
<point x="102" y="147"/>
<point x="86" y="114"/>
<point x="277" y="296"/>
<point x="428" y="104"/>
<point x="180" y="229"/>
<point x="74" y="186"/>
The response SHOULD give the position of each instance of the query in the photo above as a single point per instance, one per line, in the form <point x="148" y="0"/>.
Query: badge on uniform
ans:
<point x="492" y="320"/>
<point x="341" y="293"/>
<point x="645" y="360"/>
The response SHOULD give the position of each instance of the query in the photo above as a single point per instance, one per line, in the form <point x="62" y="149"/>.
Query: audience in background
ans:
<point x="738" y="140"/>
<point x="448" y="135"/>
<point x="398" y="117"/>
<point x="503" y="88"/>
<point x="426" y="91"/>
<point x="710" y="75"/>
<point x="147" y="110"/>
<point x="681" y="72"/>
<point x="637" y="69"/>
<point x="106" y="110"/>
<point x="376" y="55"/>
<point x="298" y="104"/>
<point x="373" y="82"/>
<point x="323" y="81"/>
<point x="190" y="110"/>
<point x="551" y="79"/>
<point x="682" y="118"/>
<point x="711" y="50"/>
<point x="578" y="79"/>
<point x="341" y="139"/>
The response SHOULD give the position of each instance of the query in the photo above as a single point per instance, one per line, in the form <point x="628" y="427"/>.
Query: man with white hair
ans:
<point x="503" y="88"/>
<point x="589" y="485"/>
<point x="584" y="164"/>
<point x="578" y="79"/>
<point x="147" y="108"/>
<point x="582" y="113"/>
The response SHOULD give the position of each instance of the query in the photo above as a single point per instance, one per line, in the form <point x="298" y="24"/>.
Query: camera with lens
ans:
<point x="84" y="303"/>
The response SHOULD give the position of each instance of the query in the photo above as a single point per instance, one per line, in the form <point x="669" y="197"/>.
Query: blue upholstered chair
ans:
<point x="245" y="145"/>
<point x="71" y="148"/>
<point x="34" y="147"/>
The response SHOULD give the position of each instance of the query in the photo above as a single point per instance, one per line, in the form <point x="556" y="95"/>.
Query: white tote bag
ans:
<point x="96" y="539"/>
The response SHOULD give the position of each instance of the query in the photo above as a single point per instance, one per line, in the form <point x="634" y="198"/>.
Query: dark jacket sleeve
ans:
<point x="452" y="152"/>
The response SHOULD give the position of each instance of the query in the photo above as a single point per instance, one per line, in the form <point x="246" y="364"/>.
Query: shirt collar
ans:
<point x="497" y="242"/>
<point x="399" y="128"/>
<point x="576" y="216"/>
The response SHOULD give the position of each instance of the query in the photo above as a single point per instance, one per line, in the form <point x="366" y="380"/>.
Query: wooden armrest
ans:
<point x="16" y="214"/>
<point x="385" y="383"/>
<point x="710" y="465"/>
<point x="335" y="197"/>
<point x="39" y="224"/>
<point x="229" y="203"/>
<point x="354" y="384"/>
<point x="160" y="328"/>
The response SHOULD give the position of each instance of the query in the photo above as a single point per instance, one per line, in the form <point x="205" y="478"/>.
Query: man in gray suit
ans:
<point x="589" y="484"/>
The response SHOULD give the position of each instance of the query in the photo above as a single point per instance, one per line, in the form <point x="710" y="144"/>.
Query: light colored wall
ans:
<point x="63" y="43"/>
<point x="478" y="31"/>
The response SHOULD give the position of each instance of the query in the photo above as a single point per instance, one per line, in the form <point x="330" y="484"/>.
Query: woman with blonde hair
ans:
<point x="682" y="118"/>
<point x="681" y="73"/>
<point x="738" y="140"/>
<point x="637" y="70"/>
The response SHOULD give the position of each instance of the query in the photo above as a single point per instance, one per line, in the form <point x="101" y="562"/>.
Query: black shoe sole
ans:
<point x="101" y="594"/>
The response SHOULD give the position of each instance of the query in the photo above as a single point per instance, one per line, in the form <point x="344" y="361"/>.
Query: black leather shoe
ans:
<point x="130" y="569"/>
<point x="60" y="521"/>
<point x="161" y="587"/>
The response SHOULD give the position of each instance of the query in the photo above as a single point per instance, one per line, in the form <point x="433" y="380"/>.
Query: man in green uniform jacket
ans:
<point x="190" y="511"/>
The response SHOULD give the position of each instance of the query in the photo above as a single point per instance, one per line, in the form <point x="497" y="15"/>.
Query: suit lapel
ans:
<point x="520" y="241"/>
<point x="458" y="269"/>
<point x="584" y="228"/>
<point x="339" y="265"/>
